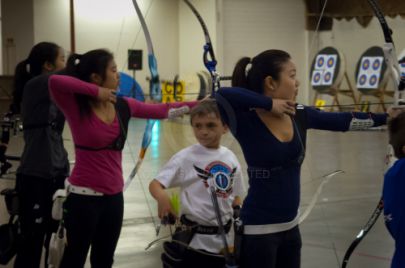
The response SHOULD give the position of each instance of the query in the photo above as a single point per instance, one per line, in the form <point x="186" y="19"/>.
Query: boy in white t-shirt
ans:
<point x="193" y="169"/>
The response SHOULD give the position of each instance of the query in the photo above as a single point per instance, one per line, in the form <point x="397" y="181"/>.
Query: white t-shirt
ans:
<point x="194" y="169"/>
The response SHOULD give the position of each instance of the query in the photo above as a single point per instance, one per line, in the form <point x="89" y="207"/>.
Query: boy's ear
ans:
<point x="226" y="128"/>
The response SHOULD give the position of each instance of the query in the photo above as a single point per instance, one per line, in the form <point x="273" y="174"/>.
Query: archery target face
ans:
<point x="324" y="70"/>
<point x="316" y="78"/>
<point x="401" y="58"/>
<point x="370" y="72"/>
<point x="320" y="61"/>
<point x="402" y="68"/>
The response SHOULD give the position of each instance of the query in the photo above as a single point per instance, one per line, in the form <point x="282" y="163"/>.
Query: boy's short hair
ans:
<point x="396" y="128"/>
<point x="205" y="107"/>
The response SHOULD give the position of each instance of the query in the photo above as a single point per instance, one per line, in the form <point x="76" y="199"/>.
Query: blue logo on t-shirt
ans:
<point x="221" y="174"/>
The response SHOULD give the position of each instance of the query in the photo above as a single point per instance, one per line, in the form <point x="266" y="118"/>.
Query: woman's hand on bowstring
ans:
<point x="107" y="94"/>
<point x="281" y="107"/>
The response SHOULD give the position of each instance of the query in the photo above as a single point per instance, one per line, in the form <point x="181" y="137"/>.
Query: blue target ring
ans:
<point x="376" y="64"/>
<point x="331" y="62"/>
<point x="321" y="61"/>
<point x="327" y="77"/>
<point x="366" y="64"/>
<point x="402" y="67"/>
<point x="362" y="79"/>
<point x="373" y="80"/>
<point x="317" y="77"/>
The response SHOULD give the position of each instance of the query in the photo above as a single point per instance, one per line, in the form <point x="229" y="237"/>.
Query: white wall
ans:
<point x="191" y="36"/>
<point x="114" y="25"/>
<point x="250" y="27"/>
<point x="237" y="28"/>
<point x="51" y="22"/>
<point x="17" y="32"/>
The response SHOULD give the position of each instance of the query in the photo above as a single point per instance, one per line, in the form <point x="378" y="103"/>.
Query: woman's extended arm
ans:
<point x="154" y="111"/>
<point x="343" y="121"/>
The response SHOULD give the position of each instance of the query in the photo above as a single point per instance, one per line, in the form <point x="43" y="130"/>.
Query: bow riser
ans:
<point x="154" y="85"/>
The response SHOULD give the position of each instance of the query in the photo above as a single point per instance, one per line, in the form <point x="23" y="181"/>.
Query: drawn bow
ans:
<point x="391" y="60"/>
<point x="154" y="90"/>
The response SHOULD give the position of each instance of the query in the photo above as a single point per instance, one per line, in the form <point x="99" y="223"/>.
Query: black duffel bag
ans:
<point x="11" y="200"/>
<point x="9" y="233"/>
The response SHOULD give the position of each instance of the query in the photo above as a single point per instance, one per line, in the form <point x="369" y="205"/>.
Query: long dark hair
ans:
<point x="83" y="66"/>
<point x="29" y="68"/>
<point x="396" y="129"/>
<point x="267" y="63"/>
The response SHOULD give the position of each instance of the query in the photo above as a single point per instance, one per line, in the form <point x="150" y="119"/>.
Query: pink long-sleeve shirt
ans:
<point x="98" y="170"/>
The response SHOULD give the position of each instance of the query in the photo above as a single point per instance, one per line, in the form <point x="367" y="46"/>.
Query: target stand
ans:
<point x="328" y="71"/>
<point x="372" y="76"/>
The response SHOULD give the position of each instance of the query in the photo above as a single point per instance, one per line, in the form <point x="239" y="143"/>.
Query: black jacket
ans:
<point x="44" y="154"/>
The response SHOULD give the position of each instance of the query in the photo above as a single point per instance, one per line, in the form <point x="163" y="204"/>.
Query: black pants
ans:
<point x="92" y="221"/>
<point x="278" y="250"/>
<point x="35" y="215"/>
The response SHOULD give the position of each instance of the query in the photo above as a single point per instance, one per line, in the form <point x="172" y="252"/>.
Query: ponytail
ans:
<point x="29" y="68"/>
<point x="73" y="69"/>
<point x="21" y="77"/>
<point x="72" y="65"/>
<point x="239" y="78"/>
<point x="82" y="67"/>
<point x="267" y="63"/>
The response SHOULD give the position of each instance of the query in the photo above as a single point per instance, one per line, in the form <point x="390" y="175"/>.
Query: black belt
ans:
<point x="203" y="229"/>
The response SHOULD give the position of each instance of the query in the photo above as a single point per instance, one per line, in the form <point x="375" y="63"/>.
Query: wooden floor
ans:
<point x="345" y="203"/>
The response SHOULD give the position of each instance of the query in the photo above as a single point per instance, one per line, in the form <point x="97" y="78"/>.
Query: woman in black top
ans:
<point x="44" y="163"/>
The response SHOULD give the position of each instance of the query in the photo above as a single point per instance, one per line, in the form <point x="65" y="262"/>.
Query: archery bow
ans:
<point x="399" y="83"/>
<point x="318" y="191"/>
<point x="211" y="63"/>
<point x="155" y="93"/>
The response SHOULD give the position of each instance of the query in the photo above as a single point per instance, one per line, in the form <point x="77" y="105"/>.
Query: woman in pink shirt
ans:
<point x="98" y="121"/>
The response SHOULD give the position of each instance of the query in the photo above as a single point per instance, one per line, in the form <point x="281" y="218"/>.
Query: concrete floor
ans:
<point x="345" y="203"/>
